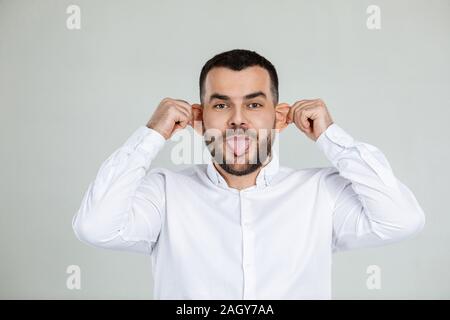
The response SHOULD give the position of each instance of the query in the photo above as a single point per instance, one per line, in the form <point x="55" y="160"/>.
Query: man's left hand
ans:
<point x="310" y="116"/>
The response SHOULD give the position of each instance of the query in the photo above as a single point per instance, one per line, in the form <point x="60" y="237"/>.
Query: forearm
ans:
<point x="371" y="206"/>
<point x="106" y="208"/>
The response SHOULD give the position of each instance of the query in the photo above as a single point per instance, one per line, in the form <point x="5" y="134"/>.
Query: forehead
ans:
<point x="237" y="84"/>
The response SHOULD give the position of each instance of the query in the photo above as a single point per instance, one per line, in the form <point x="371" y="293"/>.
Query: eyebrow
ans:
<point x="246" y="97"/>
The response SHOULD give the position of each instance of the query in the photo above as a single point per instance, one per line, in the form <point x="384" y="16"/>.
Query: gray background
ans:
<point x="70" y="98"/>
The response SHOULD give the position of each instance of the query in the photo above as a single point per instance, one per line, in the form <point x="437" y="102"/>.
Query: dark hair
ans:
<point x="237" y="60"/>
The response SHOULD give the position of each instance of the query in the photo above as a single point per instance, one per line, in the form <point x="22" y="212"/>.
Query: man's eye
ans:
<point x="220" y="106"/>
<point x="254" y="105"/>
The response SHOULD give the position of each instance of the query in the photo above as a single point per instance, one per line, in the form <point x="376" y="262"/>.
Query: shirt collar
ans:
<point x="263" y="178"/>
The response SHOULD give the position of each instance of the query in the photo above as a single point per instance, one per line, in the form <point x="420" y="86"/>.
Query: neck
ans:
<point x="240" y="182"/>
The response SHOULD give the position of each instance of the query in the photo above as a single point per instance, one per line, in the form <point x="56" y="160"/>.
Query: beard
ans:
<point x="250" y="162"/>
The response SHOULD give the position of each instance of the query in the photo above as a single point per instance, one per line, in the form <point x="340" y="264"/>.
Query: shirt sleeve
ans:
<point x="123" y="207"/>
<point x="371" y="207"/>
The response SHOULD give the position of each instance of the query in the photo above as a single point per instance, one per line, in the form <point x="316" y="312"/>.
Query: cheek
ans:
<point x="263" y="120"/>
<point x="215" y="121"/>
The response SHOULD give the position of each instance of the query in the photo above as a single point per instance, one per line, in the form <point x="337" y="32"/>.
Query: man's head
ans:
<point x="237" y="60"/>
<point x="239" y="109"/>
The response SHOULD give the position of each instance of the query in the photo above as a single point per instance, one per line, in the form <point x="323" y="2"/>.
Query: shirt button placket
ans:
<point x="248" y="250"/>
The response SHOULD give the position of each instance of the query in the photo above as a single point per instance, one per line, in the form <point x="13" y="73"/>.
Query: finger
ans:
<point x="306" y="103"/>
<point x="187" y="116"/>
<point x="302" y="102"/>
<point x="293" y="111"/>
<point x="184" y="104"/>
<point x="182" y="110"/>
<point x="186" y="107"/>
<point x="296" y="119"/>
<point x="183" y="101"/>
<point x="304" y="115"/>
<point x="296" y="105"/>
<point x="178" y="102"/>
<point x="290" y="115"/>
<point x="181" y="116"/>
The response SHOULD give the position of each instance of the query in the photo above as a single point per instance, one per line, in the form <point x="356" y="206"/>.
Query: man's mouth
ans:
<point x="238" y="144"/>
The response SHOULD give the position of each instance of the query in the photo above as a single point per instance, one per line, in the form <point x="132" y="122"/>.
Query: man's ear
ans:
<point x="281" y="112"/>
<point x="197" y="118"/>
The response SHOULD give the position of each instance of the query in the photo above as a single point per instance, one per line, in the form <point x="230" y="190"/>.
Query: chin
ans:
<point x="240" y="169"/>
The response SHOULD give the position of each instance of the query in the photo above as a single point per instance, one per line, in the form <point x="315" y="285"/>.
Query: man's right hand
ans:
<point x="171" y="115"/>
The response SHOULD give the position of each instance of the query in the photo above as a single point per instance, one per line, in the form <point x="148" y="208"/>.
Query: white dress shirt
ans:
<point x="273" y="240"/>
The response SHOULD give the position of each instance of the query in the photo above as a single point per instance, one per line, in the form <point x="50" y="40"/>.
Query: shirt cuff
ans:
<point x="333" y="141"/>
<point x="147" y="140"/>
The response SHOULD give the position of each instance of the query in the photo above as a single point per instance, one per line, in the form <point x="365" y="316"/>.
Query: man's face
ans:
<point x="239" y="106"/>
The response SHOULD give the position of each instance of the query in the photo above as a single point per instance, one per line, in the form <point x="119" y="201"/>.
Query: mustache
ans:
<point x="251" y="134"/>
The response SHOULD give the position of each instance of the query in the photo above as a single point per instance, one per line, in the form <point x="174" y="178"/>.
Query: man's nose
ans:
<point x="237" y="119"/>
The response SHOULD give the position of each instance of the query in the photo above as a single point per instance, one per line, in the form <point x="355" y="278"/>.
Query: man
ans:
<point x="242" y="226"/>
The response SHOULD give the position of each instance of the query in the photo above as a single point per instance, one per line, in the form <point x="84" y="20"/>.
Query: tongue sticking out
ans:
<point x="238" y="144"/>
